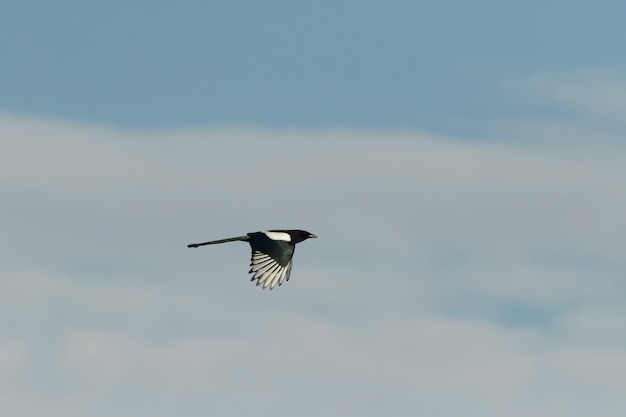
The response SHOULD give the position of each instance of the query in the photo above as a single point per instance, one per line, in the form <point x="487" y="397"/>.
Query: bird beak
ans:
<point x="311" y="235"/>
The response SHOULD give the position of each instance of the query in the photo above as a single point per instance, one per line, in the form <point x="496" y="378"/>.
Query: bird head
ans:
<point x="300" y="235"/>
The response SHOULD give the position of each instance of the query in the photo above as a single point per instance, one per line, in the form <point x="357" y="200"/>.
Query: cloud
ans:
<point x="481" y="278"/>
<point x="592" y="98"/>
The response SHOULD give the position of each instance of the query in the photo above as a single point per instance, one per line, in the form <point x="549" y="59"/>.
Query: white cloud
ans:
<point x="600" y="92"/>
<point x="396" y="309"/>
<point x="589" y="103"/>
<point x="12" y="356"/>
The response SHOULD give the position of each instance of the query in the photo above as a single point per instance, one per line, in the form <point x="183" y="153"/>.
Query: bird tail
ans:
<point x="215" y="242"/>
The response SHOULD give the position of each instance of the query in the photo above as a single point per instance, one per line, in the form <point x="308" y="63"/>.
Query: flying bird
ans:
<point x="272" y="253"/>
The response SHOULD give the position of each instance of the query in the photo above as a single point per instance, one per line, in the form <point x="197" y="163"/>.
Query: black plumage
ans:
<point x="272" y="253"/>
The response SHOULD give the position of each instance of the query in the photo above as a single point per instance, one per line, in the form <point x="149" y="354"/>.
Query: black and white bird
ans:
<point x="272" y="253"/>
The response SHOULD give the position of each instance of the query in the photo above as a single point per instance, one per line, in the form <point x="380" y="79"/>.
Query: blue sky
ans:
<point x="463" y="164"/>
<point x="356" y="64"/>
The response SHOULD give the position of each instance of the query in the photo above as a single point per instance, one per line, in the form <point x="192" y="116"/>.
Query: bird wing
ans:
<point x="269" y="271"/>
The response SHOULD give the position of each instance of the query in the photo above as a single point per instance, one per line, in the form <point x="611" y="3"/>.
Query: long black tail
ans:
<point x="214" y="242"/>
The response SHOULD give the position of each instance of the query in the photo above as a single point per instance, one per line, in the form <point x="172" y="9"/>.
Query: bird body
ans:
<point x="272" y="253"/>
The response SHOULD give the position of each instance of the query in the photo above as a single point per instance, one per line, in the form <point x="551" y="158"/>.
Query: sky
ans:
<point x="463" y="165"/>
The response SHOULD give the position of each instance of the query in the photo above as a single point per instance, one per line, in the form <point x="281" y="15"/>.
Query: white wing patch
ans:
<point x="278" y="235"/>
<point x="267" y="271"/>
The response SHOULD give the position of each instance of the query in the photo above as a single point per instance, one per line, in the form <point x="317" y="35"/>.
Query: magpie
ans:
<point x="272" y="253"/>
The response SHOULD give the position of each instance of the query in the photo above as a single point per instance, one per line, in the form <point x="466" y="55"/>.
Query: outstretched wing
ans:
<point x="269" y="271"/>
